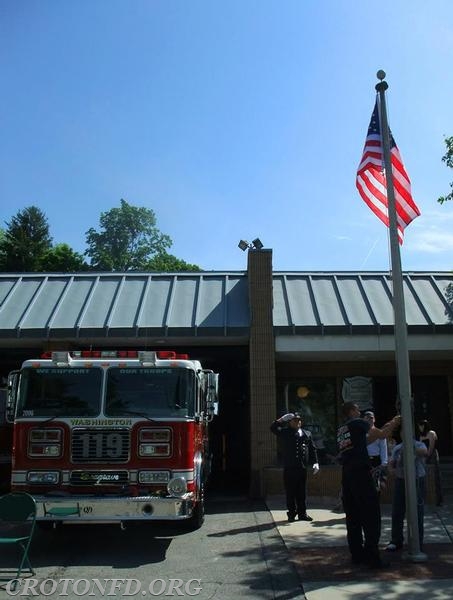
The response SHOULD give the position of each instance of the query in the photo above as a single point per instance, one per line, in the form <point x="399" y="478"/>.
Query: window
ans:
<point x="314" y="398"/>
<point x="150" y="392"/>
<point x="61" y="392"/>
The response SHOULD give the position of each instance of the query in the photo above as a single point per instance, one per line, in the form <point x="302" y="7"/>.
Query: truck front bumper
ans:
<point x="106" y="509"/>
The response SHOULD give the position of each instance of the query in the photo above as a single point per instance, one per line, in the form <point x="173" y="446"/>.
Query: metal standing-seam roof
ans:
<point x="131" y="305"/>
<point x="349" y="302"/>
<point x="213" y="305"/>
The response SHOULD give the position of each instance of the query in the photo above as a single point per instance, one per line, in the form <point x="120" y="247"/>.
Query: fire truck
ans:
<point x="6" y="437"/>
<point x="112" y="436"/>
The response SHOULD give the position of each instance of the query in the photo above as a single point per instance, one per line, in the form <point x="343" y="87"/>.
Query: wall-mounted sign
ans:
<point x="359" y="390"/>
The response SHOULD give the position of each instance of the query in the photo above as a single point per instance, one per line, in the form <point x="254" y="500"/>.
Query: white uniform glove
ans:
<point x="315" y="469"/>
<point x="286" y="417"/>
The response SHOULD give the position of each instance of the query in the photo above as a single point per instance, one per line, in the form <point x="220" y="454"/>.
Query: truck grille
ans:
<point x="99" y="478"/>
<point x="95" y="445"/>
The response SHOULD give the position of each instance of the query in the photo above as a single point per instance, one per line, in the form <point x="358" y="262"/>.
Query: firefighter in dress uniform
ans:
<point x="298" y="453"/>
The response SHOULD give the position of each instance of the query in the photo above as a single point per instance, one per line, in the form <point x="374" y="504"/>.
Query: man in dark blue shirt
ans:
<point x="298" y="453"/>
<point x="360" y="497"/>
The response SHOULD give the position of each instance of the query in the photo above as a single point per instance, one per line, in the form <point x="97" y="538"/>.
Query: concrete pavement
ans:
<point x="237" y="554"/>
<point x="248" y="550"/>
<point x="319" y="552"/>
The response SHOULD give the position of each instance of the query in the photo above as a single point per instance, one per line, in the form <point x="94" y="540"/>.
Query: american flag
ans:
<point x="371" y="181"/>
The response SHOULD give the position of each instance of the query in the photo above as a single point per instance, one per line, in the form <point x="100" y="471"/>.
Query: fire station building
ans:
<point x="281" y="341"/>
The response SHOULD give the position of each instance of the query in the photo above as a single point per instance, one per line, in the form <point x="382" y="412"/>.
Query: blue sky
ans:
<point x="231" y="120"/>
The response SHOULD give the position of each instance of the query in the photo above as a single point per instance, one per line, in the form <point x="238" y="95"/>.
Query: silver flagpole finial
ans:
<point x="380" y="74"/>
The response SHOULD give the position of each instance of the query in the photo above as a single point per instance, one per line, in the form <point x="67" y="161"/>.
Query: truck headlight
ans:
<point x="177" y="486"/>
<point x="157" y="450"/>
<point x="43" y="477"/>
<point x="45" y="443"/>
<point x="45" y="450"/>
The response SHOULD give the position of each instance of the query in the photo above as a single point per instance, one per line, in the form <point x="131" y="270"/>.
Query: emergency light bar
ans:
<point x="63" y="357"/>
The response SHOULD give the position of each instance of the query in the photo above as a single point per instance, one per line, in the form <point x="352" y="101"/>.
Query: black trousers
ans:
<point x="363" y="513"/>
<point x="295" y="481"/>
<point x="375" y="461"/>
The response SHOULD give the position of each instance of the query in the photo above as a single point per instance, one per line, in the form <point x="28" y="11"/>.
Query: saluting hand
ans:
<point x="286" y="418"/>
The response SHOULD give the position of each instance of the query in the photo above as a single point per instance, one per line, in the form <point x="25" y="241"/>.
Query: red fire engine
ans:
<point x="112" y="436"/>
<point x="6" y="437"/>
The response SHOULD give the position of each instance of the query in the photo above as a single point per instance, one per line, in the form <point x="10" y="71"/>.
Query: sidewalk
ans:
<point x="318" y="550"/>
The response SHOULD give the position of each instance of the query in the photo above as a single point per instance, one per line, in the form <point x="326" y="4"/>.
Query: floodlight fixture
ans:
<point x="257" y="244"/>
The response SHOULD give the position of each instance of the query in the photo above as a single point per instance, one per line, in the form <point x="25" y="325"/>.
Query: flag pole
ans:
<point x="401" y="346"/>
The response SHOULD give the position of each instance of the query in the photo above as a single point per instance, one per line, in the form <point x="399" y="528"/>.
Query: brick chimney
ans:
<point x="262" y="366"/>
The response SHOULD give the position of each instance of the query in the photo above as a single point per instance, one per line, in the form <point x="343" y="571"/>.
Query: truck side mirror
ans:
<point x="11" y="396"/>
<point x="212" y="400"/>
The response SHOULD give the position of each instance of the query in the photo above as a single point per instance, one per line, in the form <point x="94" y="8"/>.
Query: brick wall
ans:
<point x="262" y="367"/>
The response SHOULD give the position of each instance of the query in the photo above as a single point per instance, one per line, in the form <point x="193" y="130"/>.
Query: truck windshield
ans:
<point x="150" y="392"/>
<point x="60" y="392"/>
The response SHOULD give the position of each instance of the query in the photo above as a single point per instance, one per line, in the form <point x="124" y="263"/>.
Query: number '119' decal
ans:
<point x="99" y="445"/>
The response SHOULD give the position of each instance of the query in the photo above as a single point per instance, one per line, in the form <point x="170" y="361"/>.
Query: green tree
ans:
<point x="128" y="239"/>
<point x="447" y="158"/>
<point x="25" y="241"/>
<point x="61" y="258"/>
<point x="169" y="264"/>
<point x="2" y="251"/>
